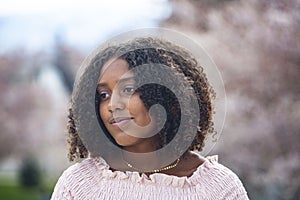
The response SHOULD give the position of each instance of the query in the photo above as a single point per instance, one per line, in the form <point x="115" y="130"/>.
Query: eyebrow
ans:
<point x="120" y="81"/>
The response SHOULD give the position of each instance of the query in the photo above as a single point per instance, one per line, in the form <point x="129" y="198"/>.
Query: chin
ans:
<point x="125" y="140"/>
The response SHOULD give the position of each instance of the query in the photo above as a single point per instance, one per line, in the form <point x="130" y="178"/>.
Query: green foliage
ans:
<point x="18" y="193"/>
<point x="11" y="190"/>
<point x="30" y="174"/>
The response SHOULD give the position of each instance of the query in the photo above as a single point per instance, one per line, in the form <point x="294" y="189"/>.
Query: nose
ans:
<point x="116" y="102"/>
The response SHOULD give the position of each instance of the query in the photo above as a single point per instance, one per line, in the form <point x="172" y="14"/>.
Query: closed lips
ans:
<point x="119" y="119"/>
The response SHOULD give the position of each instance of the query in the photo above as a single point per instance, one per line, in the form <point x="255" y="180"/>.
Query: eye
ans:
<point x="104" y="95"/>
<point x="128" y="90"/>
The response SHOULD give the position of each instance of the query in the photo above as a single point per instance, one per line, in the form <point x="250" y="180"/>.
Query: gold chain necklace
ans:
<point x="155" y="170"/>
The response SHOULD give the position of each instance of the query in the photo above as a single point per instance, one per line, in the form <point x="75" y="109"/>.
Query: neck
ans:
<point x="145" y="146"/>
<point x="141" y="162"/>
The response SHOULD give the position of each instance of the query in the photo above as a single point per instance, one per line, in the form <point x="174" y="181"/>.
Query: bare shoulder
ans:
<point x="191" y="161"/>
<point x="187" y="165"/>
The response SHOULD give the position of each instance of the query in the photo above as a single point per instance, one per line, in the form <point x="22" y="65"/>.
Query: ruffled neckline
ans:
<point x="157" y="178"/>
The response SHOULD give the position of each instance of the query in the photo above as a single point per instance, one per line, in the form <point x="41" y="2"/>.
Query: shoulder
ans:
<point x="85" y="169"/>
<point x="218" y="181"/>
<point x="76" y="175"/>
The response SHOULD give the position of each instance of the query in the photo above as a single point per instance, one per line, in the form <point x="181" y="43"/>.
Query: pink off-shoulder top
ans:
<point x="93" y="179"/>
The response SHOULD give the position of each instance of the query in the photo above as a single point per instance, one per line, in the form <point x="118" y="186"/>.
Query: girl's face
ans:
<point x="121" y="108"/>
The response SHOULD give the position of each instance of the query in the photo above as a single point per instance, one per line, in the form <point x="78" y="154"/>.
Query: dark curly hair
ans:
<point x="139" y="52"/>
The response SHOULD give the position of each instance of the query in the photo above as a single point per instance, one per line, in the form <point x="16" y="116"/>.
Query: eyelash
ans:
<point x="126" y="91"/>
<point x="131" y="88"/>
<point x="101" y="94"/>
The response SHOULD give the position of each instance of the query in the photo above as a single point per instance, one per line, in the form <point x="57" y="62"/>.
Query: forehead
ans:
<point x="114" y="69"/>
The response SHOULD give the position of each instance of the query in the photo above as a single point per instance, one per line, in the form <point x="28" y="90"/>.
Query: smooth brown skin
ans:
<point x="187" y="165"/>
<point x="127" y="103"/>
<point x="118" y="99"/>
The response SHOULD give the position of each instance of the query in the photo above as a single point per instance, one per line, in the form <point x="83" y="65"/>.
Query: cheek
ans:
<point x="102" y="112"/>
<point x="137" y="108"/>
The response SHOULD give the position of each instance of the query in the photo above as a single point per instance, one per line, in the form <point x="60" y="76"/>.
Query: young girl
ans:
<point x="139" y="110"/>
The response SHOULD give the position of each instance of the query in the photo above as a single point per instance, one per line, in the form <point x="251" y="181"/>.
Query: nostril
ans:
<point x="110" y="107"/>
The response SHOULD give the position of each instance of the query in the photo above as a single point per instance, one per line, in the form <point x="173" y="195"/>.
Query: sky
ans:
<point x="35" y="25"/>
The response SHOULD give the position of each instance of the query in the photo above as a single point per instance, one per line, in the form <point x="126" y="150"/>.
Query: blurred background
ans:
<point x="255" y="44"/>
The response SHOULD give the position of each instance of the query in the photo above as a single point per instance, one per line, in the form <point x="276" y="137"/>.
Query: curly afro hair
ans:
<point x="139" y="52"/>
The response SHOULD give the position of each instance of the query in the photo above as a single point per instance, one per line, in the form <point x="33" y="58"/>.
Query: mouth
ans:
<point x="120" y="121"/>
